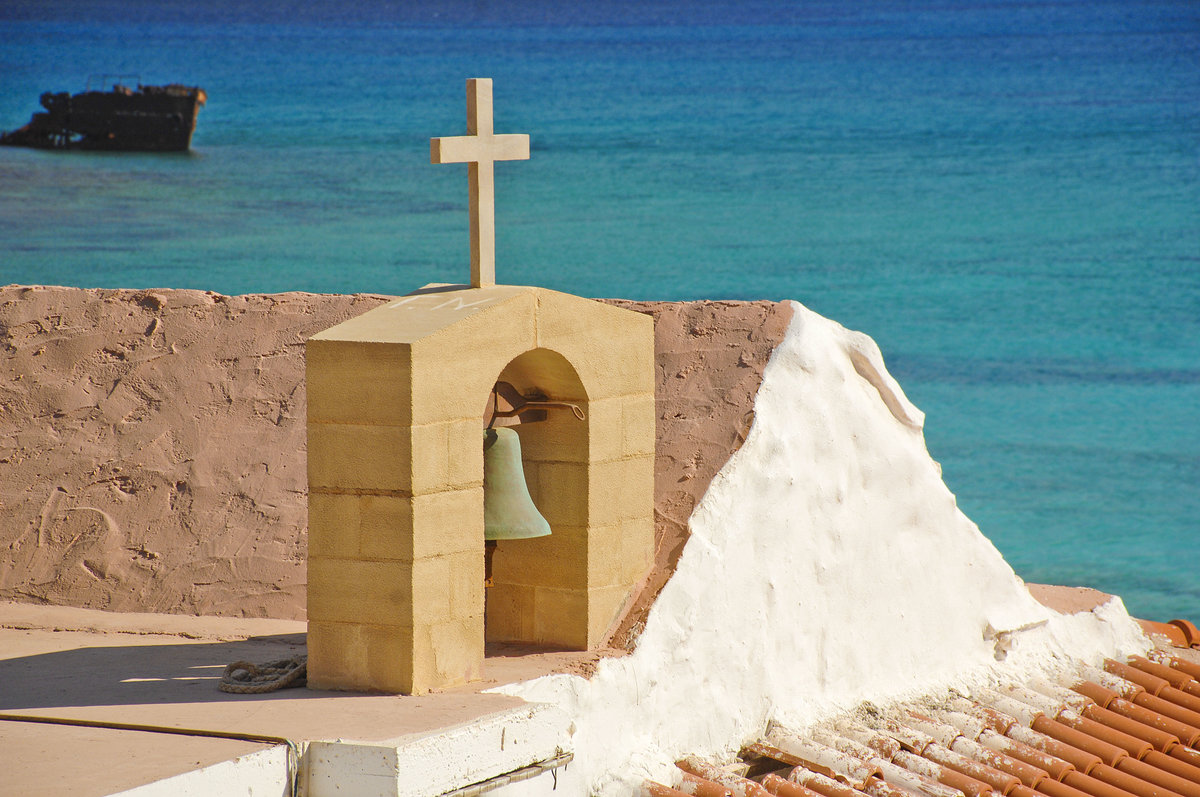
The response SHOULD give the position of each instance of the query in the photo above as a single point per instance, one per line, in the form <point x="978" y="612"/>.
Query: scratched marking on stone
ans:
<point x="439" y="304"/>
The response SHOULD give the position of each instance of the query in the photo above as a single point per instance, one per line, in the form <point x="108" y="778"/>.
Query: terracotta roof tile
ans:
<point x="1132" y="730"/>
<point x="1023" y="791"/>
<point x="980" y="771"/>
<point x="1189" y="667"/>
<point x="1169" y="708"/>
<point x="1054" y="788"/>
<point x="1177" y="635"/>
<point x="1190" y="632"/>
<point x="701" y="787"/>
<point x="733" y="784"/>
<point x="1151" y="683"/>
<point x="825" y="786"/>
<point x="1176" y="678"/>
<point x="785" y="788"/>
<point x="1158" y="739"/>
<point x="1167" y="763"/>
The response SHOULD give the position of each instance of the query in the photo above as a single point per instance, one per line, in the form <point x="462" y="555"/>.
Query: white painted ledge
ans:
<point x="432" y="764"/>
<point x="259" y="774"/>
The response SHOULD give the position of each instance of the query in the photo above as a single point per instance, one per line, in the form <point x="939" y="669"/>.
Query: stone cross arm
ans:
<point x="468" y="149"/>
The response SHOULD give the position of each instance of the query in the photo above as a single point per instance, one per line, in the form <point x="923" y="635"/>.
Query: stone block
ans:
<point x="333" y="525"/>
<point x="606" y="438"/>
<point x="345" y="456"/>
<point x="430" y="458"/>
<point x="465" y="442"/>
<point x="621" y="489"/>
<point x="422" y="313"/>
<point x="385" y="527"/>
<point x="604" y="603"/>
<point x="360" y="658"/>
<point x="612" y="349"/>
<point x="560" y="438"/>
<point x="560" y="617"/>
<point x="431" y="587"/>
<point x="358" y="382"/>
<point x="446" y="393"/>
<point x="510" y="610"/>
<point x="356" y="591"/>
<point x="606" y="557"/>
<point x="559" y="560"/>
<point x="454" y="368"/>
<point x="637" y="546"/>
<point x="638" y="476"/>
<point x="466" y="582"/>
<point x="562" y="493"/>
<point x="448" y="522"/>
<point x="448" y="653"/>
<point x="638" y="419"/>
<point x="511" y="562"/>
<point x="607" y="493"/>
<point x="533" y="481"/>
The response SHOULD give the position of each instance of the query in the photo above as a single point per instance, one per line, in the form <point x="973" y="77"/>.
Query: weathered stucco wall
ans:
<point x="152" y="443"/>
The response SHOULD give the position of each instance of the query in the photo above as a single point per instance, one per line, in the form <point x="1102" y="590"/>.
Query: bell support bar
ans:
<point x="507" y="403"/>
<point x="534" y="404"/>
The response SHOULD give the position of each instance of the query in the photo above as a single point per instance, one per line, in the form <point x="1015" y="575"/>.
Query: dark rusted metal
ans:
<point x="145" y="119"/>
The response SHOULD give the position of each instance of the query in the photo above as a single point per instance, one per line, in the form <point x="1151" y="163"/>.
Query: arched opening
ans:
<point x="537" y="591"/>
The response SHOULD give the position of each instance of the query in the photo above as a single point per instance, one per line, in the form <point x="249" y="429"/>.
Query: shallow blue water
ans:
<point x="1005" y="195"/>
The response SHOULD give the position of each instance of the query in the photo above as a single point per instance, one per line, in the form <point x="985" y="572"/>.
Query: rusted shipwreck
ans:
<point x="142" y="119"/>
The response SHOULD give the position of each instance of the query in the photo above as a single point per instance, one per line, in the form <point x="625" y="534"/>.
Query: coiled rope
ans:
<point x="245" y="678"/>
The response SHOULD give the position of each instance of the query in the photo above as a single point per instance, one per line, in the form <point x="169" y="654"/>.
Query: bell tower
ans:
<point x="400" y="401"/>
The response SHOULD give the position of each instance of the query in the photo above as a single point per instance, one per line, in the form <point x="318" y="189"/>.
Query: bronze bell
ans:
<point x="508" y="511"/>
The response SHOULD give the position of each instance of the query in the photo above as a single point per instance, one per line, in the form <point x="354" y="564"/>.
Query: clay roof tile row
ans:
<point x="1130" y="730"/>
<point x="1181" y="633"/>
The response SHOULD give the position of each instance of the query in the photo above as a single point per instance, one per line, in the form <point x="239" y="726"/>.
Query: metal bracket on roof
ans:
<point x="551" y="765"/>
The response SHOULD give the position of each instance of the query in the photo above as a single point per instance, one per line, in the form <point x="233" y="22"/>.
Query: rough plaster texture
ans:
<point x="152" y="448"/>
<point x="827" y="564"/>
<point x="396" y="398"/>
<point x="152" y="443"/>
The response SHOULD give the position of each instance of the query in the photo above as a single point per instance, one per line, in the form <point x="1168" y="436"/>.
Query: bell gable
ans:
<point x="396" y="405"/>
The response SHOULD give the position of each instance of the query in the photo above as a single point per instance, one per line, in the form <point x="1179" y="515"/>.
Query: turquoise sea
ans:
<point x="1005" y="195"/>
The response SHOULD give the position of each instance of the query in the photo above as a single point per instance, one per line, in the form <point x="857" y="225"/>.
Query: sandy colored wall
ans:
<point x="152" y="443"/>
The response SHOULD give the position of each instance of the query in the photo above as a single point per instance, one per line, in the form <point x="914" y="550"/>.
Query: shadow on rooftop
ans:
<point x="115" y="675"/>
<point x="188" y="672"/>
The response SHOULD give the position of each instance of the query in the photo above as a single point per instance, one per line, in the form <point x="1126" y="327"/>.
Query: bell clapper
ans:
<point x="489" y="550"/>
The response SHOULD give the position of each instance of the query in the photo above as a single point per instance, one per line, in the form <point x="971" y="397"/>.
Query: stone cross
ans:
<point x="480" y="148"/>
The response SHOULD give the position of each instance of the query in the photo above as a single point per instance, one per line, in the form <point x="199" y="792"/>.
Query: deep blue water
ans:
<point x="1005" y="195"/>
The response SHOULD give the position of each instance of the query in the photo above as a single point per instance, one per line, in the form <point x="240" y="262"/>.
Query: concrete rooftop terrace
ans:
<point x="162" y="670"/>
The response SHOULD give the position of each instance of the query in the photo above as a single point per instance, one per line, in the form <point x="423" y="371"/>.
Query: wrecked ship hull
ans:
<point x="145" y="119"/>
